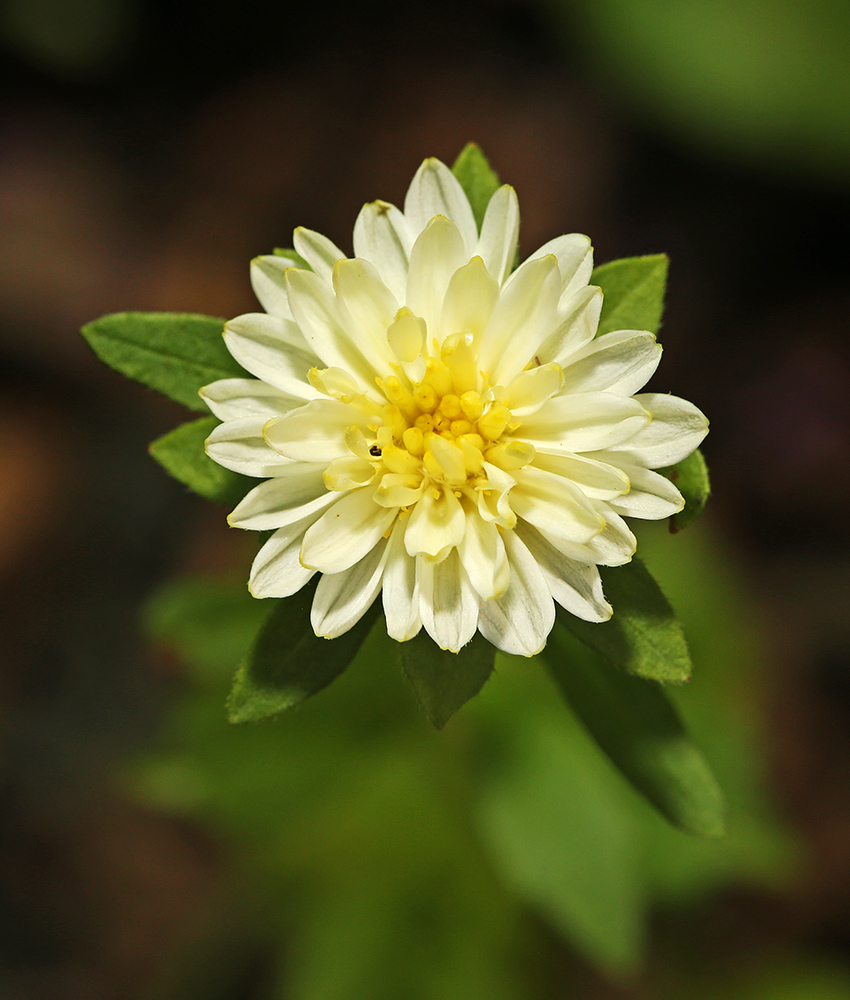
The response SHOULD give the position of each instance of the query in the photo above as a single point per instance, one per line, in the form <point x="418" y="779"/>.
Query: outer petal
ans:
<point x="277" y="569"/>
<point x="437" y="253"/>
<point x="297" y="491"/>
<point x="239" y="445"/>
<point x="267" y="280"/>
<point x="575" y="261"/>
<point x="315" y="432"/>
<point x="523" y="318"/>
<point x="596" y="479"/>
<point x="435" y="190"/>
<point x="500" y="233"/>
<point x="368" y="307"/>
<point x="676" y="429"/>
<point x="319" y="252"/>
<point x="447" y="603"/>
<point x="382" y="236"/>
<point x="613" y="546"/>
<point x="344" y="534"/>
<point x="483" y="556"/>
<point x="520" y="621"/>
<point x="651" y="496"/>
<point x="620" y="362"/>
<point x="588" y="421"/>
<point x="576" y="586"/>
<point x="274" y="350"/>
<point x="400" y="589"/>
<point x="342" y="599"/>
<point x="576" y="327"/>
<point x="232" y="398"/>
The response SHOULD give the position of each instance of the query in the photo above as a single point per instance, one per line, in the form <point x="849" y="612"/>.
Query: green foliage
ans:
<point x="634" y="293"/>
<point x="640" y="731"/>
<point x="691" y="477"/>
<point x="287" y="662"/>
<point x="644" y="636"/>
<point x="181" y="453"/>
<point x="477" y="178"/>
<point x="174" y="353"/>
<point x="294" y="256"/>
<point x="445" y="681"/>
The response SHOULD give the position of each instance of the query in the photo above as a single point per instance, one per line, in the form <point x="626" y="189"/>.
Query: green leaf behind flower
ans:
<point x="691" y="477"/>
<point x="477" y="178"/>
<point x="634" y="293"/>
<point x="174" y="353"/>
<point x="288" y="663"/>
<point x="644" y="636"/>
<point x="445" y="681"/>
<point x="635" y="724"/>
<point x="181" y="453"/>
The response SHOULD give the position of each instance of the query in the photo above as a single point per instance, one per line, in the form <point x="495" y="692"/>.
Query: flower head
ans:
<point x="438" y="430"/>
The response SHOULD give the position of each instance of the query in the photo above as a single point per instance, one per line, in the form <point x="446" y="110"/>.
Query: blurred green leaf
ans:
<point x="294" y="256"/>
<point x="643" y="636"/>
<point x="691" y="477"/>
<point x="635" y="724"/>
<point x="634" y="293"/>
<point x="174" y="353"/>
<point x="445" y="681"/>
<point x="181" y="453"/>
<point x="288" y="662"/>
<point x="477" y="178"/>
<point x="553" y="817"/>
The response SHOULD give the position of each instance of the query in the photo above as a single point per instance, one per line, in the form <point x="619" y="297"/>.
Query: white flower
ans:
<point x="439" y="430"/>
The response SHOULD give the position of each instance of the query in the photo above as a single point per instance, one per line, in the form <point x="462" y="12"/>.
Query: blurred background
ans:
<point x="149" y="149"/>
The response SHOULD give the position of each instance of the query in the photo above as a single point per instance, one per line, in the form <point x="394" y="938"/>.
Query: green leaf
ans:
<point x="634" y="293"/>
<point x="636" y="725"/>
<point x="174" y="353"/>
<point x="477" y="178"/>
<point x="644" y="636"/>
<point x="294" y="256"/>
<point x="288" y="663"/>
<point x="691" y="478"/>
<point x="445" y="681"/>
<point x="181" y="453"/>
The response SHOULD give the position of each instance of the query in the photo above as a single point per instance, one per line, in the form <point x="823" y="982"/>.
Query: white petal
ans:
<point x="620" y="362"/>
<point x="577" y="325"/>
<point x="447" y="603"/>
<point x="346" y="531"/>
<point x="382" y="236"/>
<point x="315" y="432"/>
<point x="232" y="398"/>
<point x="273" y="350"/>
<point x="295" y="492"/>
<point x="651" y="496"/>
<point x="319" y="252"/>
<point x="470" y="297"/>
<point x="615" y="545"/>
<point x="576" y="586"/>
<point x="400" y="589"/>
<point x="522" y="319"/>
<point x="368" y="308"/>
<point x="435" y="190"/>
<point x="520" y="621"/>
<point x="575" y="261"/>
<point x="482" y="554"/>
<point x="342" y="599"/>
<point x="530" y="389"/>
<point x="676" y="429"/>
<point x="239" y="445"/>
<point x="435" y="525"/>
<point x="315" y="309"/>
<point x="596" y="479"/>
<point x="554" y="505"/>
<point x="437" y="253"/>
<point x="586" y="421"/>
<point x="277" y="569"/>
<point x="267" y="280"/>
<point x="500" y="232"/>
